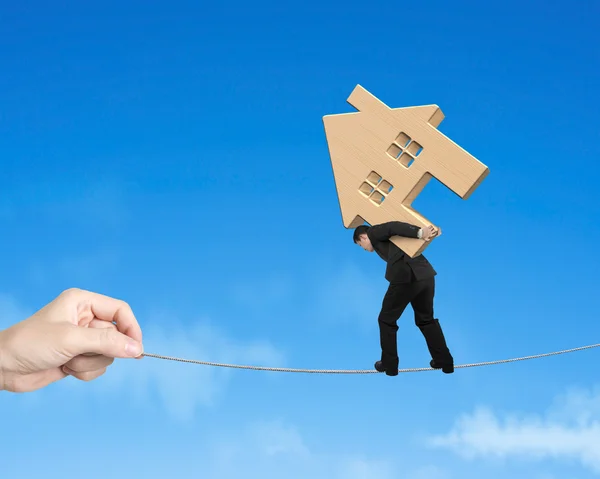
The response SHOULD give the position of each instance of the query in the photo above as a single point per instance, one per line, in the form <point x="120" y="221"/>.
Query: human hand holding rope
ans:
<point x="78" y="334"/>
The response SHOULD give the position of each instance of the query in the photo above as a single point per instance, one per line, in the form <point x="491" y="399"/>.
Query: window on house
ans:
<point x="404" y="150"/>
<point x="375" y="188"/>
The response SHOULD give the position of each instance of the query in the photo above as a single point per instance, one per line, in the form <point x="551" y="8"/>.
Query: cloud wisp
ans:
<point x="275" y="448"/>
<point x="182" y="388"/>
<point x="569" y="431"/>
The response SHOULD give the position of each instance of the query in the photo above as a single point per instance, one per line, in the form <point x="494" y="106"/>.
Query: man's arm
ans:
<point x="385" y="231"/>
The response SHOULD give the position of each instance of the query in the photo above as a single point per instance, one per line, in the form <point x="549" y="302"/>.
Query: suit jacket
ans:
<point x="399" y="264"/>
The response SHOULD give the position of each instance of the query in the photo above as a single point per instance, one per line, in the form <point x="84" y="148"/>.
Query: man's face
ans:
<point x="365" y="243"/>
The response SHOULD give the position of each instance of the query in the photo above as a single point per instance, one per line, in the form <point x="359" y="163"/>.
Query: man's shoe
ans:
<point x="380" y="368"/>
<point x="447" y="368"/>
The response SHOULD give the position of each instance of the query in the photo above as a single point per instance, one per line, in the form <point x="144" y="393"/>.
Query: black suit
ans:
<point x="412" y="281"/>
<point x="400" y="266"/>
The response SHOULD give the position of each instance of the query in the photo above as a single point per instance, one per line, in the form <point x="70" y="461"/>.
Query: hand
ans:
<point x="73" y="335"/>
<point x="430" y="232"/>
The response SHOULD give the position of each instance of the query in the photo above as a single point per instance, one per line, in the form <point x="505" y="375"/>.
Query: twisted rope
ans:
<point x="363" y="371"/>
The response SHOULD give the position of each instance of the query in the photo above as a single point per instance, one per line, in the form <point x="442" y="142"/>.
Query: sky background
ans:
<point x="172" y="154"/>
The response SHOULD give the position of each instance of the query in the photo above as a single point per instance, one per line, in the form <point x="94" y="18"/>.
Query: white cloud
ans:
<point x="184" y="387"/>
<point x="569" y="430"/>
<point x="276" y="449"/>
<point x="429" y="472"/>
<point x="361" y="468"/>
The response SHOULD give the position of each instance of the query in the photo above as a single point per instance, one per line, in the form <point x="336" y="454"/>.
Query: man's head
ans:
<point x="360" y="238"/>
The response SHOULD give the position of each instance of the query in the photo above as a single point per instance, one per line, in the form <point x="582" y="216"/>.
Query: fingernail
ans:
<point x="133" y="349"/>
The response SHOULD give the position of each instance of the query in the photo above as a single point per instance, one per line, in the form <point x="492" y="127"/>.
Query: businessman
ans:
<point x="411" y="281"/>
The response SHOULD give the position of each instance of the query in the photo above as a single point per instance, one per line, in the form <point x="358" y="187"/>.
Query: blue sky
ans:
<point x="173" y="155"/>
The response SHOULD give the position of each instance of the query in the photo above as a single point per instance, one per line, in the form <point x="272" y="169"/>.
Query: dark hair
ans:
<point x="360" y="230"/>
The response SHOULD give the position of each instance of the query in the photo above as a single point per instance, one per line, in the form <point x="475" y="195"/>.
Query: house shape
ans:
<point x="383" y="157"/>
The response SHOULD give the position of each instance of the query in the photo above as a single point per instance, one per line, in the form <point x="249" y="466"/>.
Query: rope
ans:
<point x="363" y="371"/>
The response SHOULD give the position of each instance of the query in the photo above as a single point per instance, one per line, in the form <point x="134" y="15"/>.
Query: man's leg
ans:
<point x="422" y="304"/>
<point x="394" y="303"/>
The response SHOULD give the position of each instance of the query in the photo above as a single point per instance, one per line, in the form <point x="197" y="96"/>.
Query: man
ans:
<point x="411" y="280"/>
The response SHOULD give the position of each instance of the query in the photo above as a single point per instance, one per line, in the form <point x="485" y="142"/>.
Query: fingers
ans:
<point x="110" y="309"/>
<point x="86" y="375"/>
<point x="88" y="366"/>
<point x="91" y="365"/>
<point x="83" y="364"/>
<point x="102" y="341"/>
<point x="428" y="233"/>
<point x="82" y="370"/>
<point x="97" y="323"/>
<point x="431" y="232"/>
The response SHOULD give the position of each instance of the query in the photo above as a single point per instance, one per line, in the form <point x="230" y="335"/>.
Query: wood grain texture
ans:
<point x="383" y="157"/>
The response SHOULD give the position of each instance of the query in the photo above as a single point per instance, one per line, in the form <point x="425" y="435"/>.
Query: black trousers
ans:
<point x="419" y="294"/>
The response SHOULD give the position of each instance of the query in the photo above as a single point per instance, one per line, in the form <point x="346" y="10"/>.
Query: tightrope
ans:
<point x="362" y="371"/>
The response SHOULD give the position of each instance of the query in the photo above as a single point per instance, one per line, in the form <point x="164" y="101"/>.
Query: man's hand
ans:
<point x="78" y="334"/>
<point x="430" y="232"/>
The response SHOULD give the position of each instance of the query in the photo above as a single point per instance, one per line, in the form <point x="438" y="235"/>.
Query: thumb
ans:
<point x="105" y="341"/>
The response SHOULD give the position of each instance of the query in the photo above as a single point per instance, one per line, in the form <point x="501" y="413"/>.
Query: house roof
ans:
<point x="383" y="157"/>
